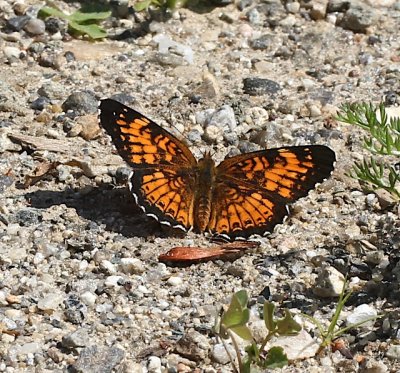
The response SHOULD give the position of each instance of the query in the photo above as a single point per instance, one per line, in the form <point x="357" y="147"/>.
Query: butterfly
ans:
<point x="244" y="195"/>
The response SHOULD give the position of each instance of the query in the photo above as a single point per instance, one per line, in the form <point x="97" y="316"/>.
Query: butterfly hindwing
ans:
<point x="166" y="195"/>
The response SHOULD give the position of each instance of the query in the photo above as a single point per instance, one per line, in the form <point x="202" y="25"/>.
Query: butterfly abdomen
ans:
<point x="202" y="202"/>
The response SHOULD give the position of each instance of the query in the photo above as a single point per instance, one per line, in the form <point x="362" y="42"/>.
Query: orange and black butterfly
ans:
<point x="244" y="195"/>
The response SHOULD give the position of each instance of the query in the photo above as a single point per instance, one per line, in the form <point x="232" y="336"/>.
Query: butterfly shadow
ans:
<point x="103" y="205"/>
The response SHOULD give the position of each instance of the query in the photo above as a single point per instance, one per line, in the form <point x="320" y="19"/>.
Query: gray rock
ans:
<point x="219" y="354"/>
<point x="35" y="26"/>
<point x="260" y="86"/>
<point x="359" y="17"/>
<point x="263" y="42"/>
<point x="338" y="5"/>
<point x="95" y="359"/>
<point x="17" y="23"/>
<point x="254" y="16"/>
<point x="28" y="216"/>
<point x="40" y="103"/>
<point x="78" y="338"/>
<point x="84" y="102"/>
<point x="393" y="352"/>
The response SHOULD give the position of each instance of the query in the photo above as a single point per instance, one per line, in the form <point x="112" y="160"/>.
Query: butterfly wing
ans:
<point x="253" y="189"/>
<point x="163" y="177"/>
<point x="140" y="141"/>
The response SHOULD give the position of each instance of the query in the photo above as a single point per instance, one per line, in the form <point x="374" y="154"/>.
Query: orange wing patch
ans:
<point x="165" y="194"/>
<point x="140" y="141"/>
<point x="242" y="210"/>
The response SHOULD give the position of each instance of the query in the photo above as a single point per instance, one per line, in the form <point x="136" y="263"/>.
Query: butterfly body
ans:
<point x="243" y="195"/>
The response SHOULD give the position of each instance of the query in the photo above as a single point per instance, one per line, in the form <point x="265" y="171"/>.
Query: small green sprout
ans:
<point x="234" y="320"/>
<point x="383" y="140"/>
<point x="333" y="332"/>
<point x="161" y="4"/>
<point x="83" y="21"/>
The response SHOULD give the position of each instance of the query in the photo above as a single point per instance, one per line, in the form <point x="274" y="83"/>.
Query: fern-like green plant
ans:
<point x="84" y="21"/>
<point x="234" y="322"/>
<point x="383" y="141"/>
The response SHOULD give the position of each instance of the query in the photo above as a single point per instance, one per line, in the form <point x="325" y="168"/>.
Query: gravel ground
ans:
<point x="81" y="288"/>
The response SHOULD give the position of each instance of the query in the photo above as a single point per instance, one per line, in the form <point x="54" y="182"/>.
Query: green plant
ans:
<point x="333" y="332"/>
<point x="162" y="4"/>
<point x="83" y="21"/>
<point x="234" y="321"/>
<point x="383" y="140"/>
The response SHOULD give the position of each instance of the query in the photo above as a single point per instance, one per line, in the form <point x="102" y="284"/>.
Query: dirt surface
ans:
<point x="81" y="287"/>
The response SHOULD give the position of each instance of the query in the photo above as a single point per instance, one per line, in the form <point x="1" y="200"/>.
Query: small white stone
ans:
<point x="361" y="313"/>
<point x="50" y="302"/>
<point x="293" y="7"/>
<point x="174" y="281"/>
<point x="219" y="354"/>
<point x="108" y="266"/>
<point x="329" y="283"/>
<point x="131" y="266"/>
<point x="11" y="53"/>
<point x="112" y="281"/>
<point x="163" y="304"/>
<point x="154" y="365"/>
<point x="88" y="298"/>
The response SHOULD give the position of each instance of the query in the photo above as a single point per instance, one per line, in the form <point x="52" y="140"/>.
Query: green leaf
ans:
<point x="93" y="31"/>
<point x="276" y="358"/>
<point x="141" y="5"/>
<point x="82" y="17"/>
<point x="237" y="313"/>
<point x="47" y="11"/>
<point x="243" y="332"/>
<point x="287" y="325"/>
<point x="268" y="314"/>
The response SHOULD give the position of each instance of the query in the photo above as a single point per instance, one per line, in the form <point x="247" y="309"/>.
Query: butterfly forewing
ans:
<point x="140" y="141"/>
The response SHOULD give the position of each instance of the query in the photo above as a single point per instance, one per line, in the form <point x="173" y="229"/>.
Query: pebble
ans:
<point x="94" y="359"/>
<point x="263" y="42"/>
<point x="132" y="266"/>
<point x="83" y="102"/>
<point x="154" y="365"/>
<point x="17" y="23"/>
<point x="40" y="103"/>
<point x="50" y="302"/>
<point x="329" y="283"/>
<point x="12" y="53"/>
<point x="296" y="347"/>
<point x="175" y="281"/>
<point x="35" y="26"/>
<point x="260" y="86"/>
<point x="78" y="338"/>
<point x="88" y="298"/>
<point x="113" y="281"/>
<point x="219" y="354"/>
<point x="393" y="352"/>
<point x="359" y="17"/>
<point x="362" y="313"/>
<point x="293" y="7"/>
